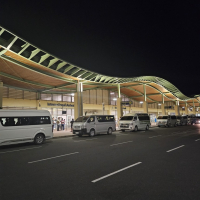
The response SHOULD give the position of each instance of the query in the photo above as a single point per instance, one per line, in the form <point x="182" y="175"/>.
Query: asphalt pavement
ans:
<point x="161" y="163"/>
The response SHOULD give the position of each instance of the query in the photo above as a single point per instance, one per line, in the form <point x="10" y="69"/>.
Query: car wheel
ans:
<point x="123" y="130"/>
<point x="147" y="127"/>
<point x="175" y="124"/>
<point x="109" y="131"/>
<point x="80" y="134"/>
<point x="136" y="129"/>
<point x="92" y="133"/>
<point x="39" y="138"/>
<point x="158" y="126"/>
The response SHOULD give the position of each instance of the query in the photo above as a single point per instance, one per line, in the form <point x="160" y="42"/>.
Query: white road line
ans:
<point x="197" y="140"/>
<point x="94" y="181"/>
<point x="85" y="140"/>
<point x="19" y="150"/>
<point x="175" y="148"/>
<point x="155" y="136"/>
<point x="120" y="143"/>
<point x="53" y="157"/>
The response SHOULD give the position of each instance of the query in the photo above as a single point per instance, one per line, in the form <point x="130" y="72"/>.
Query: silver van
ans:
<point x="94" y="124"/>
<point x="167" y="120"/>
<point x="182" y="120"/>
<point x="134" y="122"/>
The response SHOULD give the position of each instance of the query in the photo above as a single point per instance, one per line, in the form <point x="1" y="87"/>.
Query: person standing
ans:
<point x="62" y="124"/>
<point x="72" y="124"/>
<point x="58" y="124"/>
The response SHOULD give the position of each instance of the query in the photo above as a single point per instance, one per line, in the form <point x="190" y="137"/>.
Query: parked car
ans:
<point x="191" y="119"/>
<point x="94" y="124"/>
<point x="197" y="120"/>
<point x="134" y="122"/>
<point x="182" y="120"/>
<point x="167" y="120"/>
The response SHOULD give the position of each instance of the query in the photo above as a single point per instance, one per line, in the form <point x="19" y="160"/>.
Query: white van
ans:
<point x="94" y="124"/>
<point x="134" y="122"/>
<point x="167" y="120"/>
<point x="19" y="126"/>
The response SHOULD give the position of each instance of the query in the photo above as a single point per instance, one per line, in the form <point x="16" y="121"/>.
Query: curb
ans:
<point x="63" y="136"/>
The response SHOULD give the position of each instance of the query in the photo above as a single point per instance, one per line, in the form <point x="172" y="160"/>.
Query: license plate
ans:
<point x="77" y="132"/>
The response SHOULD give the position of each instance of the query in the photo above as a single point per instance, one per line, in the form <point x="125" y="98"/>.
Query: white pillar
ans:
<point x="1" y="95"/>
<point x="176" y="107"/>
<point x="186" y="108"/>
<point x="78" y="100"/>
<point x="145" y="103"/>
<point x="119" y="103"/>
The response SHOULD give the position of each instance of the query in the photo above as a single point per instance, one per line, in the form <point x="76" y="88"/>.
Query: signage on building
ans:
<point x="61" y="104"/>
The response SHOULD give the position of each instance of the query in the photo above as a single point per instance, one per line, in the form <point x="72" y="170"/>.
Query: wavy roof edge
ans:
<point x="63" y="66"/>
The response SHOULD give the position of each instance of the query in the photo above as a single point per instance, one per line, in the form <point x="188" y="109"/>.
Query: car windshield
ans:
<point x="127" y="118"/>
<point x="162" y="117"/>
<point x="82" y="119"/>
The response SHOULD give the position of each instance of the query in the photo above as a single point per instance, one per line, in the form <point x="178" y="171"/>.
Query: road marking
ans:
<point x="94" y="181"/>
<point x="53" y="157"/>
<point x="155" y="136"/>
<point x="197" y="140"/>
<point x="175" y="148"/>
<point x="19" y="150"/>
<point x="120" y="143"/>
<point x="85" y="140"/>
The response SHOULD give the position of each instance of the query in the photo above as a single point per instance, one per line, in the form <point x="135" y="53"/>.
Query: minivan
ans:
<point x="134" y="122"/>
<point x="94" y="124"/>
<point x="182" y="120"/>
<point x="20" y="126"/>
<point x="167" y="120"/>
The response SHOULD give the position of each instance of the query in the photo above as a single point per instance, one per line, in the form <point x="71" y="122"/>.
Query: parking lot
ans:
<point x="161" y="163"/>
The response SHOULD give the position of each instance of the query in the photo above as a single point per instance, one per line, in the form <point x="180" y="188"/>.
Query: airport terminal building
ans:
<point x="31" y="78"/>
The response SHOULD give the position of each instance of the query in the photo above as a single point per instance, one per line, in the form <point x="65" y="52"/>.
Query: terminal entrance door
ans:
<point x="69" y="118"/>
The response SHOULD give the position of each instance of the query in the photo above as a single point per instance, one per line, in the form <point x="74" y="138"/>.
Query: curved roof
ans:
<point x="25" y="66"/>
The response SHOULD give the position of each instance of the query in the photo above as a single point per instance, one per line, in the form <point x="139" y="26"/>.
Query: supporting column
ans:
<point x="38" y="105"/>
<point x="163" y="109"/>
<point x="1" y="95"/>
<point x="78" y="102"/>
<point x="119" y="103"/>
<point x="176" y="108"/>
<point x="163" y="105"/>
<point x="145" y="103"/>
<point x="186" y="108"/>
<point x="194" y="110"/>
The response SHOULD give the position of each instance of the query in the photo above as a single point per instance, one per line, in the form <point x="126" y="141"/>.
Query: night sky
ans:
<point x="115" y="38"/>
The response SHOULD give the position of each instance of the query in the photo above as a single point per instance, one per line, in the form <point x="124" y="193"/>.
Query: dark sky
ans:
<point x="115" y="38"/>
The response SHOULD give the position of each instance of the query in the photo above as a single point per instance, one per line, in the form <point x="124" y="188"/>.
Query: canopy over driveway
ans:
<point x="24" y="66"/>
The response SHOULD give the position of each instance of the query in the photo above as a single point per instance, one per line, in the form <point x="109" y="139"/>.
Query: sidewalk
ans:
<point x="63" y="133"/>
